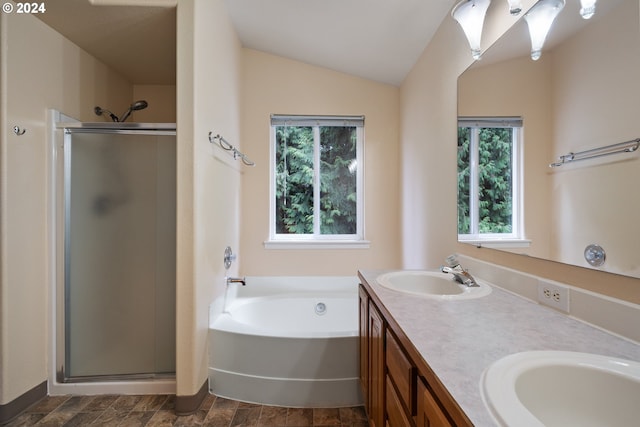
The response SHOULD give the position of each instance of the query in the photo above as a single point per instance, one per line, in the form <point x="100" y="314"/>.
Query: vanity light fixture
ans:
<point x="587" y="8"/>
<point x="515" y="6"/>
<point x="470" y="15"/>
<point x="539" y="19"/>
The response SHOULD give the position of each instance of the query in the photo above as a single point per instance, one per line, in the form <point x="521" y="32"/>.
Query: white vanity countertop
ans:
<point x="460" y="339"/>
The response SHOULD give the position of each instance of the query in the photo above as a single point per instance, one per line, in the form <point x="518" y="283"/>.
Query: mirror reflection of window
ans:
<point x="582" y="94"/>
<point x="489" y="174"/>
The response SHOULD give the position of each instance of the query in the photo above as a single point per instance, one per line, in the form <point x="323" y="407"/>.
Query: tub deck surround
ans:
<point x="460" y="339"/>
<point x="287" y="341"/>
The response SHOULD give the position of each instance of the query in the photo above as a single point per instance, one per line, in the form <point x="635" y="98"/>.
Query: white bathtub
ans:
<point x="287" y="341"/>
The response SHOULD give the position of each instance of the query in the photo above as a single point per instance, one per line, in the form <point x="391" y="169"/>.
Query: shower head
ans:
<point x="100" y="111"/>
<point x="138" y="105"/>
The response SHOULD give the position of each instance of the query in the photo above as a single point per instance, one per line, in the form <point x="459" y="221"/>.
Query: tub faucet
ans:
<point x="461" y="275"/>
<point x="236" y="280"/>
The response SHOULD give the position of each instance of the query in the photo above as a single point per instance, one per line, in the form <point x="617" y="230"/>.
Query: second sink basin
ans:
<point x="559" y="389"/>
<point x="431" y="284"/>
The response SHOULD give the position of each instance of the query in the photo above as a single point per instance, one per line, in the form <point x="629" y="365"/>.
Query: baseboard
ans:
<point x="22" y="402"/>
<point x="186" y="405"/>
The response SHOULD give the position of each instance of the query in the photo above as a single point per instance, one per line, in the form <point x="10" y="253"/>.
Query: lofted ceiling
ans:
<point x="379" y="40"/>
<point x="376" y="39"/>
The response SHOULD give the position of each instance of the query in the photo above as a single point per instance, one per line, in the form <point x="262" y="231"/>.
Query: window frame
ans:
<point x="517" y="236"/>
<point x="316" y="239"/>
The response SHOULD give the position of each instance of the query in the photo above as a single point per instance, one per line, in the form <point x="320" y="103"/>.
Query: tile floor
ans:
<point x="157" y="410"/>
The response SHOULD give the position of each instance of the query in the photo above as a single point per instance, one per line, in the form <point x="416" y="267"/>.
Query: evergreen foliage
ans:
<point x="494" y="180"/>
<point x="295" y="180"/>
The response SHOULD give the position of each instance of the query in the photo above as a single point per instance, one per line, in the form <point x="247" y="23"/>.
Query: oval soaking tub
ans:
<point x="286" y="341"/>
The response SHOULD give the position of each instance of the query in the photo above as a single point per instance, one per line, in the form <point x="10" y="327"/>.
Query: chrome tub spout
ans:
<point x="236" y="280"/>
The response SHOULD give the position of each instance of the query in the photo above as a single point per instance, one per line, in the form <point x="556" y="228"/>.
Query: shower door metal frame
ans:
<point x="63" y="201"/>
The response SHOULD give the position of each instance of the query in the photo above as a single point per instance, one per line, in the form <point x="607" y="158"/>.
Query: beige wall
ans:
<point x="162" y="103"/>
<point x="596" y="201"/>
<point x="209" y="72"/>
<point x="428" y="146"/>
<point x="428" y="134"/>
<point x="40" y="70"/>
<point x="275" y="85"/>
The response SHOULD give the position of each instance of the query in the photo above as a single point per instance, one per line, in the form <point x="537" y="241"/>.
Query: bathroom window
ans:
<point x="489" y="176"/>
<point x="316" y="181"/>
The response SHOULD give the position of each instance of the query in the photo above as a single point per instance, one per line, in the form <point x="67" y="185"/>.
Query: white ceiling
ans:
<point x="375" y="39"/>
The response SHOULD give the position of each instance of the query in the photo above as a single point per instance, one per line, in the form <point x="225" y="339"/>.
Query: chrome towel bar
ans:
<point x="225" y="145"/>
<point x="622" y="147"/>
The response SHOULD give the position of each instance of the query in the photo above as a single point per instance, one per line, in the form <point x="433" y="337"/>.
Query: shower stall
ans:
<point x="115" y="246"/>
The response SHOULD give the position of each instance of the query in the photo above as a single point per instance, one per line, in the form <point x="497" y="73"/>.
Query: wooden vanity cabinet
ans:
<point x="429" y="412"/>
<point x="363" y="347"/>
<point x="399" y="388"/>
<point x="400" y="383"/>
<point x="372" y="370"/>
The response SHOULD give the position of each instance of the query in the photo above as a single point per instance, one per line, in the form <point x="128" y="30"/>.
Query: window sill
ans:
<point x="498" y="243"/>
<point x="317" y="244"/>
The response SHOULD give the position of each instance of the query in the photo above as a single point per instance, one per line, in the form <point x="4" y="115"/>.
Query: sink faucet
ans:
<point x="236" y="280"/>
<point x="460" y="274"/>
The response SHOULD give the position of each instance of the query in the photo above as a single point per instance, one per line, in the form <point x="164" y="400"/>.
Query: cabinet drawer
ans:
<point x="395" y="411"/>
<point x="401" y="372"/>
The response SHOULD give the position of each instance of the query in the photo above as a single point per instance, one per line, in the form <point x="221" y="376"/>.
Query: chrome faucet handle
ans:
<point x="452" y="269"/>
<point x="452" y="260"/>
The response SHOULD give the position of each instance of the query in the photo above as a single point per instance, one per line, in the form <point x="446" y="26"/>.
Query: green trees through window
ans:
<point x="316" y="180"/>
<point x="486" y="180"/>
<point x="294" y="180"/>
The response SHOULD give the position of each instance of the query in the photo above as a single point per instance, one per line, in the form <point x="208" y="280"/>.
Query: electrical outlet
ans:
<point x="553" y="295"/>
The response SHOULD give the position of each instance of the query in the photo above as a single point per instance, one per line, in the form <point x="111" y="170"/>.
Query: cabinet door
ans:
<point x="396" y="415"/>
<point x="401" y="372"/>
<point x="376" y="367"/>
<point x="364" y="345"/>
<point x="429" y="412"/>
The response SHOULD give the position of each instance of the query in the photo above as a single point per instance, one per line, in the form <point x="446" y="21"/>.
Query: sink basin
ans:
<point x="557" y="388"/>
<point x="431" y="284"/>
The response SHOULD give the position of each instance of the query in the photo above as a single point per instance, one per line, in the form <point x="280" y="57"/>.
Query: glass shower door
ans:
<point x="120" y="240"/>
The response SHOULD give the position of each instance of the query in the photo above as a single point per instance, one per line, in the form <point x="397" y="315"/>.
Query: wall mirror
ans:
<point x="580" y="95"/>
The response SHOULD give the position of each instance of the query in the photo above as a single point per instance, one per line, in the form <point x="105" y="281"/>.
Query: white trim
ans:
<point x="498" y="240"/>
<point x="474" y="179"/>
<point x="298" y="241"/>
<point x="497" y="243"/>
<point x="316" y="181"/>
<point x="304" y="120"/>
<point x="317" y="244"/>
<point x="517" y="194"/>
<point x="164" y="386"/>
<point x="272" y="182"/>
<point x="360" y="182"/>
